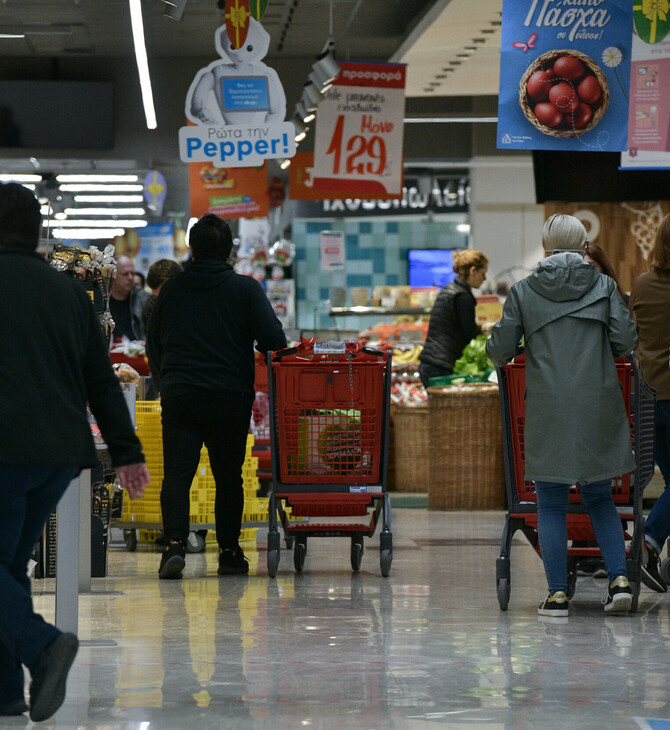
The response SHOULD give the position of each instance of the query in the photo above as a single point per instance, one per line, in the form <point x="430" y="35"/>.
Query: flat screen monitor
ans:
<point x="246" y="94"/>
<point x="431" y="267"/>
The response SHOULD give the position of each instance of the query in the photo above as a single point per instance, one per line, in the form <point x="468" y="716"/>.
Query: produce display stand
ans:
<point x="640" y="399"/>
<point x="329" y="429"/>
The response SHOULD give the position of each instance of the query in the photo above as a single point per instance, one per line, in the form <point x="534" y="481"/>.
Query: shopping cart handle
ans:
<point x="372" y="351"/>
<point x="286" y="351"/>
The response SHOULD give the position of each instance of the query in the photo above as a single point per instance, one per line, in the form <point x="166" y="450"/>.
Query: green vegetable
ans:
<point x="474" y="360"/>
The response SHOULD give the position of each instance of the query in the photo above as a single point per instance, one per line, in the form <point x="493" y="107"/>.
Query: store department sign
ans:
<point x="358" y="147"/>
<point x="449" y="195"/>
<point x="237" y="106"/>
<point x="565" y="73"/>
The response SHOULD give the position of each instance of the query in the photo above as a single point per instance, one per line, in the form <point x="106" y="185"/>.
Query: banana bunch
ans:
<point x="404" y="357"/>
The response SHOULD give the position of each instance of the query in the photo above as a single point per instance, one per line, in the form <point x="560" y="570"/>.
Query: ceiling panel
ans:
<point x="363" y="30"/>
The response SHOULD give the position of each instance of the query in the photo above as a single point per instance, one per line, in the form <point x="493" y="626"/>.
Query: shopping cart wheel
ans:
<point x="572" y="575"/>
<point x="299" y="552"/>
<point x="635" y="588"/>
<point x="130" y="538"/>
<point x="503" y="589"/>
<point x="385" y="560"/>
<point x="356" y="553"/>
<point x="665" y="570"/>
<point x="273" y="562"/>
<point x="195" y="542"/>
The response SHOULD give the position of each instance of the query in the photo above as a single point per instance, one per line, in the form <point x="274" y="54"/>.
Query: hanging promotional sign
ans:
<point x="237" y="15"/>
<point x="358" y="148"/>
<point x="156" y="242"/>
<point x="155" y="191"/>
<point x="236" y="192"/>
<point x="237" y="105"/>
<point x="649" y="117"/>
<point x="565" y="74"/>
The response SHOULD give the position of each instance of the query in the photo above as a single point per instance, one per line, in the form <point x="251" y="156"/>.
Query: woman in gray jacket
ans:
<point x="574" y="323"/>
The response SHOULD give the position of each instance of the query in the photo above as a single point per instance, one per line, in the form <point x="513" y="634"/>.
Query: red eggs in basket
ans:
<point x="563" y="93"/>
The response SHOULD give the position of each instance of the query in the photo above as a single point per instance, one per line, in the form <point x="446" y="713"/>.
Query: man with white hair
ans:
<point x="574" y="323"/>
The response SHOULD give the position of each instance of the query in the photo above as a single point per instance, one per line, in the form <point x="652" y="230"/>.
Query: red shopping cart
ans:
<point x="260" y="425"/>
<point x="627" y="489"/>
<point x="329" y="430"/>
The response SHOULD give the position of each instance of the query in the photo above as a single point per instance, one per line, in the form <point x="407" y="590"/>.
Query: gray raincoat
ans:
<point x="574" y="323"/>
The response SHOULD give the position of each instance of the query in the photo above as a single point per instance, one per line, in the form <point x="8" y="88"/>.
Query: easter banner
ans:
<point x="566" y="74"/>
<point x="649" y="122"/>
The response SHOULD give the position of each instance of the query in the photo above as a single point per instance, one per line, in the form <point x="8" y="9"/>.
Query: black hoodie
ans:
<point x="203" y="327"/>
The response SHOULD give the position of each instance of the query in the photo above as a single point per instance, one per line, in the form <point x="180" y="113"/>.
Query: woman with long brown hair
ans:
<point x="649" y="305"/>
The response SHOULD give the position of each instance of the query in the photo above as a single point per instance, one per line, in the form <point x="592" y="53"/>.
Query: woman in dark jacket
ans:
<point x="452" y="322"/>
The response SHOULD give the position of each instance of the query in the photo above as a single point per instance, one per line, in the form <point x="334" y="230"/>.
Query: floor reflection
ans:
<point x="328" y="648"/>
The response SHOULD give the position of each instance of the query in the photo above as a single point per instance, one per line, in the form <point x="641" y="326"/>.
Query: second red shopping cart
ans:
<point x="329" y="429"/>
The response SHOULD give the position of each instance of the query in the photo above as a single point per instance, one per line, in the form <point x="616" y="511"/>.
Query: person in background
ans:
<point x="59" y="362"/>
<point x="595" y="254"/>
<point x="576" y="429"/>
<point x="201" y="352"/>
<point x="650" y="305"/>
<point x="159" y="272"/>
<point x="126" y="302"/>
<point x="140" y="281"/>
<point x="452" y="321"/>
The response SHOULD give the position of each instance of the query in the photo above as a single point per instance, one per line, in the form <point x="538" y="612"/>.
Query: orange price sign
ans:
<point x="359" y="132"/>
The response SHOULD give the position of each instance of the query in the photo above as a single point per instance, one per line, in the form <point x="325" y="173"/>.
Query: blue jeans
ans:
<point x="28" y="495"/>
<point x="657" y="527"/>
<point x="552" y="507"/>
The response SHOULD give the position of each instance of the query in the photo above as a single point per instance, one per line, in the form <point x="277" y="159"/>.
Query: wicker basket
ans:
<point x="412" y="469"/>
<point x="466" y="459"/>
<point x="564" y="130"/>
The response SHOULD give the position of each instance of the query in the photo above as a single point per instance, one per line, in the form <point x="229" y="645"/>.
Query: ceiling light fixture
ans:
<point x="174" y="9"/>
<point x="12" y="35"/>
<point x="86" y="233"/>
<point x="97" y="178"/>
<point x="108" y="198"/>
<point x="300" y="128"/>
<point x="285" y="164"/>
<point x="100" y="188"/>
<point x="142" y="62"/>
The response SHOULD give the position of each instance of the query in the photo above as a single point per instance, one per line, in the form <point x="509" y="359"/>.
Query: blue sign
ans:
<point x="240" y="93"/>
<point x="566" y="75"/>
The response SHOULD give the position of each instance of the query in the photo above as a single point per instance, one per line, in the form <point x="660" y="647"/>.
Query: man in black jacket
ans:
<point x="54" y="360"/>
<point x="201" y="349"/>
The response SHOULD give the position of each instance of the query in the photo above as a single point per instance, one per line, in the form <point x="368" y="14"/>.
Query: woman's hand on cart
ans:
<point x="134" y="478"/>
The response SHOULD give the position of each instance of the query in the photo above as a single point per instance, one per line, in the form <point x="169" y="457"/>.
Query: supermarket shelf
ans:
<point x="362" y="311"/>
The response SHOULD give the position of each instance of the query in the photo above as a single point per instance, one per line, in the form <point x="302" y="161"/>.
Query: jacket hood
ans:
<point x="206" y="274"/>
<point x="563" y="277"/>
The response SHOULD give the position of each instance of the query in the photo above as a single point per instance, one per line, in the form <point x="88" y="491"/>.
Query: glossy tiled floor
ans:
<point x="424" y="648"/>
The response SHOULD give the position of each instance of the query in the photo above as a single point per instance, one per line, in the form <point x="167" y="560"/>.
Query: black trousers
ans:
<point x="220" y="420"/>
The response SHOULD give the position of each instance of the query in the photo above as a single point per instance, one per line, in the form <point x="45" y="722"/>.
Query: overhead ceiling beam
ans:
<point x="419" y="28"/>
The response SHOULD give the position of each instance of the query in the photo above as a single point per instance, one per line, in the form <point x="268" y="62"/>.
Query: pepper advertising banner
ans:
<point x="359" y="132"/>
<point x="236" y="106"/>
<point x="237" y="192"/>
<point x="649" y="118"/>
<point x="565" y="74"/>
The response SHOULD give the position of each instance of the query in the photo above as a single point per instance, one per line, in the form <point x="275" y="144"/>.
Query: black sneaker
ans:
<point x="18" y="707"/>
<point x="233" y="562"/>
<point x="619" y="596"/>
<point x="649" y="569"/>
<point x="49" y="676"/>
<point x="173" y="561"/>
<point x="555" y="604"/>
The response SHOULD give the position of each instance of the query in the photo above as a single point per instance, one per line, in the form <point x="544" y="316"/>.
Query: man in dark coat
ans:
<point x="201" y="349"/>
<point x="54" y="360"/>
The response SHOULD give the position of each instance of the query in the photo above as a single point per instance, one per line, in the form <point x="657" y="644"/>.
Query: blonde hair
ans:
<point x="465" y="259"/>
<point x="659" y="258"/>
<point x="563" y="231"/>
